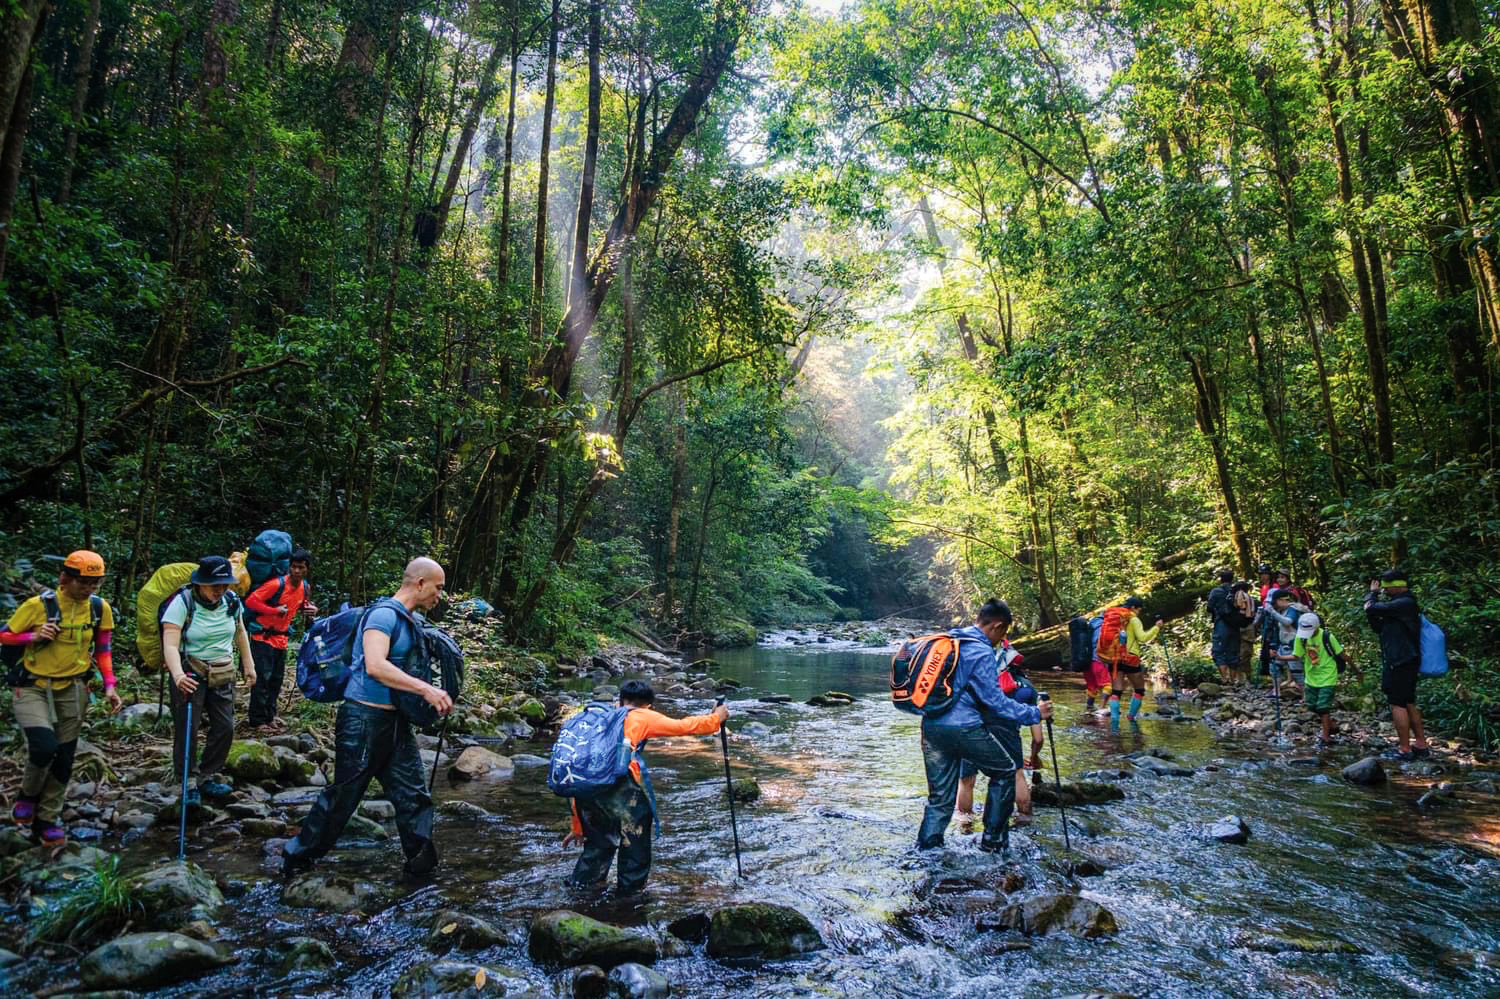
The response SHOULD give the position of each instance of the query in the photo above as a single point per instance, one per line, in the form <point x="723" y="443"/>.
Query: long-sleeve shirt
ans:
<point x="269" y="617"/>
<point x="643" y="724"/>
<point x="1399" y="625"/>
<point x="1138" y="636"/>
<point x="977" y="680"/>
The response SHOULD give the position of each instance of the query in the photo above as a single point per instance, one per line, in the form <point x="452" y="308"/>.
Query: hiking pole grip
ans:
<point x="1057" y="777"/>
<point x="729" y="791"/>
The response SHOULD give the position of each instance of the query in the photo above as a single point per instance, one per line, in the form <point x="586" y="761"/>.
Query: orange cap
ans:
<point x="84" y="563"/>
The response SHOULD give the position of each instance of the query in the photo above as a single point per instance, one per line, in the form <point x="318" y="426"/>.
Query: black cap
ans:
<point x="1392" y="575"/>
<point x="1265" y="567"/>
<point x="214" y="570"/>
<point x="1135" y="603"/>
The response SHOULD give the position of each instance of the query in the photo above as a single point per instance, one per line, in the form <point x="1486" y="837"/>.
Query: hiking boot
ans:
<point x="194" y="799"/>
<point x="1421" y="752"/>
<point x="293" y="865"/>
<point x="215" y="790"/>
<point x="48" y="833"/>
<point x="423" y="862"/>
<point x="1003" y="849"/>
<point x="24" y="811"/>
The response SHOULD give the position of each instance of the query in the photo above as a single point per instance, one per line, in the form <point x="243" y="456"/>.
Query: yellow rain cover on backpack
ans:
<point x="241" y="574"/>
<point x="163" y="583"/>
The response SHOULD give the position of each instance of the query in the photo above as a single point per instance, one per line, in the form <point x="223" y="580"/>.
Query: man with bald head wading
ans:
<point x="373" y="739"/>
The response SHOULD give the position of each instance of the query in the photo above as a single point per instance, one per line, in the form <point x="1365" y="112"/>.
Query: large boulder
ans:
<point x="252" y="761"/>
<point x="563" y="937"/>
<point x="477" y="762"/>
<point x="1367" y="771"/>
<point x="329" y="892"/>
<point x="457" y="980"/>
<point x="1045" y="914"/>
<point x="293" y="769"/>
<point x="760" y="930"/>
<point x="148" y="959"/>
<point x="746" y="789"/>
<point x="453" y="930"/>
<point x="175" y="888"/>
<point x="636" y="981"/>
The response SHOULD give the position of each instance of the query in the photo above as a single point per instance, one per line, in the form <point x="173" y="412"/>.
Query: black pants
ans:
<point x="996" y="751"/>
<point x="270" y="669"/>
<point x="213" y="714"/>
<point x="370" y="743"/>
<point x="616" y="822"/>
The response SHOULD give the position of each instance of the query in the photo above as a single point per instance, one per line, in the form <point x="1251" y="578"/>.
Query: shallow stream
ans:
<point x="832" y="835"/>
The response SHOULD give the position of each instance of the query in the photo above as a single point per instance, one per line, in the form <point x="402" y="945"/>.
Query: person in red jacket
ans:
<point x="273" y="607"/>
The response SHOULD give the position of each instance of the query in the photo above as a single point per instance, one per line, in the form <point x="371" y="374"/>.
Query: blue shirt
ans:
<point x="978" y="681"/>
<point x="390" y="619"/>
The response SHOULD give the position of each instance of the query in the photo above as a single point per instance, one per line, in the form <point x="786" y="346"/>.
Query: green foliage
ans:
<point x="92" y="908"/>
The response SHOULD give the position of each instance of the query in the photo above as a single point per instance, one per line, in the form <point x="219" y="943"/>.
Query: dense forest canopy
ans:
<point x="684" y="314"/>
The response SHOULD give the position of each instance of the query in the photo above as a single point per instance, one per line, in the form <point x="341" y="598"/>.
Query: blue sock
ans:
<point x="1135" y="707"/>
<point x="1114" y="710"/>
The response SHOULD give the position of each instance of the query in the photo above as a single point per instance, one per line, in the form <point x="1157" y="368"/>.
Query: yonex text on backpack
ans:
<point x="923" y="672"/>
<point x="591" y="754"/>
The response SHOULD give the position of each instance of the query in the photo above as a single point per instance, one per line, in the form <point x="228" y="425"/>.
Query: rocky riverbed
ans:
<point x="185" y="922"/>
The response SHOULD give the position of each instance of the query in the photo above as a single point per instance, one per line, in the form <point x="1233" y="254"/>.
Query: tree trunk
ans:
<point x="1206" y="409"/>
<point x="20" y="26"/>
<point x="444" y="205"/>
<point x="539" y="249"/>
<point x="1428" y="32"/>
<point x="503" y="264"/>
<point x="674" y="511"/>
<point x="11" y="152"/>
<point x="83" y="66"/>
<point x="590" y="159"/>
<point x="354" y="68"/>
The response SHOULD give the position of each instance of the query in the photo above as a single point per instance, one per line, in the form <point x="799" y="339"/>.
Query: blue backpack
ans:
<point x="270" y="555"/>
<point x="327" y="655"/>
<point x="591" y="754"/>
<point x="1434" y="648"/>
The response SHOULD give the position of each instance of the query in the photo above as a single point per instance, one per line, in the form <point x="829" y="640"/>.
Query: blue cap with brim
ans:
<point x="213" y="570"/>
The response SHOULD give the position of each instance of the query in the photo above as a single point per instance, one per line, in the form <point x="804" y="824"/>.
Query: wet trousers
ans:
<point x="270" y="670"/>
<point x="370" y="744"/>
<point x="617" y="823"/>
<point x="213" y="715"/>
<point x="996" y="751"/>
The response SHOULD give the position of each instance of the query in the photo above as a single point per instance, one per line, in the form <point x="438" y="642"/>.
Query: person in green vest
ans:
<point x="1323" y="660"/>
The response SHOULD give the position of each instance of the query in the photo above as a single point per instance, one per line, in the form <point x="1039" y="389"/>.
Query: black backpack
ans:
<point x="1080" y="643"/>
<point x="13" y="657"/>
<point x="436" y="659"/>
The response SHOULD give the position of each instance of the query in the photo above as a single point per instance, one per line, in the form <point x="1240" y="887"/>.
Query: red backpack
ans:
<point x="1112" y="650"/>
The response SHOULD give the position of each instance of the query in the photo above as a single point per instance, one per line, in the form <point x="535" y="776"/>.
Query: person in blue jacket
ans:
<point x="963" y="733"/>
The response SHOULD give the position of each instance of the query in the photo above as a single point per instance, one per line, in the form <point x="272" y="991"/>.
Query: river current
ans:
<point x="1412" y="898"/>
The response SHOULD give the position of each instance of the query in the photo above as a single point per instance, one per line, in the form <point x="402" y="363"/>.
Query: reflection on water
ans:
<point x="833" y="834"/>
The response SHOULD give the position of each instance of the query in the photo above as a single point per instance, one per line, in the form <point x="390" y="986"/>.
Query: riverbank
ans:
<point x="837" y="793"/>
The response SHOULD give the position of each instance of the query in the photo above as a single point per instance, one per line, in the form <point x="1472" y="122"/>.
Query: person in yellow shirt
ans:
<point x="60" y="635"/>
<point x="1129" y="670"/>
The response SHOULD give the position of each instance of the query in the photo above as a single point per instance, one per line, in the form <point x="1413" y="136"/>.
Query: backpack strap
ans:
<point x="96" y="612"/>
<point x="51" y="606"/>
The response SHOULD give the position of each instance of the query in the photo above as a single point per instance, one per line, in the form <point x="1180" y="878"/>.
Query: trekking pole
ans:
<point x="1057" y="778"/>
<point x="1172" y="675"/>
<point x="187" y="763"/>
<point x="729" y="790"/>
<point x="1276" y="697"/>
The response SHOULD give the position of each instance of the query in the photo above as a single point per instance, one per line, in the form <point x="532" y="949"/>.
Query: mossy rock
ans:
<point x="734" y="633"/>
<point x="761" y="931"/>
<point x="532" y="710"/>
<point x="149" y="959"/>
<point x="252" y="761"/>
<point x="455" y="979"/>
<point x="746" y="789"/>
<point x="173" y="887"/>
<point x="566" y="938"/>
<point x="454" y="930"/>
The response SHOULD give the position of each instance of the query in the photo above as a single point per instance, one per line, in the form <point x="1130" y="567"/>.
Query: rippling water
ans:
<point x="833" y="832"/>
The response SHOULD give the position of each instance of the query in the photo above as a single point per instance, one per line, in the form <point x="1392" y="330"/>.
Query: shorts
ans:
<point x="1131" y="676"/>
<point x="1010" y="739"/>
<point x="1399" y="684"/>
<point x="1319" y="700"/>
<point x="1096" y="676"/>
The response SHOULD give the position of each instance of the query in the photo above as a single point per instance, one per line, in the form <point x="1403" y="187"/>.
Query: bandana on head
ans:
<point x="1395" y="584"/>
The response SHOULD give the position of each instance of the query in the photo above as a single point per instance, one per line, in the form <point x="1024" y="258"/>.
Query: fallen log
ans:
<point x="1172" y="598"/>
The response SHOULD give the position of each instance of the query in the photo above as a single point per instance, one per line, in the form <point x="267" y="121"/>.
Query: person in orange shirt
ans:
<point x="274" y="606"/>
<point x="620" y="820"/>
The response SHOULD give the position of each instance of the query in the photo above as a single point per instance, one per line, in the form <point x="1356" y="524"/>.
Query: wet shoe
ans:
<point x="292" y="865"/>
<point x="1397" y="755"/>
<point x="194" y="799"/>
<point x="1002" y="850"/>
<point x="1421" y="752"/>
<point x="48" y="833"/>
<point x="214" y="790"/>
<point x="24" y="811"/>
<point x="424" y="862"/>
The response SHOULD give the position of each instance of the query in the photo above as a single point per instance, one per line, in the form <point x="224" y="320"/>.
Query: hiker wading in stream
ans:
<point x="54" y="640"/>
<point x="372" y="738"/>
<point x="620" y="820"/>
<point x="1015" y="686"/>
<point x="1398" y="621"/>
<point x="981" y="727"/>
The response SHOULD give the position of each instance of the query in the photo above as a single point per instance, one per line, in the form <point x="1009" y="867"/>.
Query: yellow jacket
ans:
<point x="1138" y="636"/>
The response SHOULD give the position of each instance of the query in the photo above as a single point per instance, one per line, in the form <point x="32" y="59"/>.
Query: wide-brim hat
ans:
<point x="213" y="570"/>
<point x="1307" y="624"/>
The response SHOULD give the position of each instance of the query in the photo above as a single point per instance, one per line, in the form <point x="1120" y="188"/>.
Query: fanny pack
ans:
<point x="216" y="674"/>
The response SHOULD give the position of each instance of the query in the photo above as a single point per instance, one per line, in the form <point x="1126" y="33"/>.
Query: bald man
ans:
<point x="373" y="739"/>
